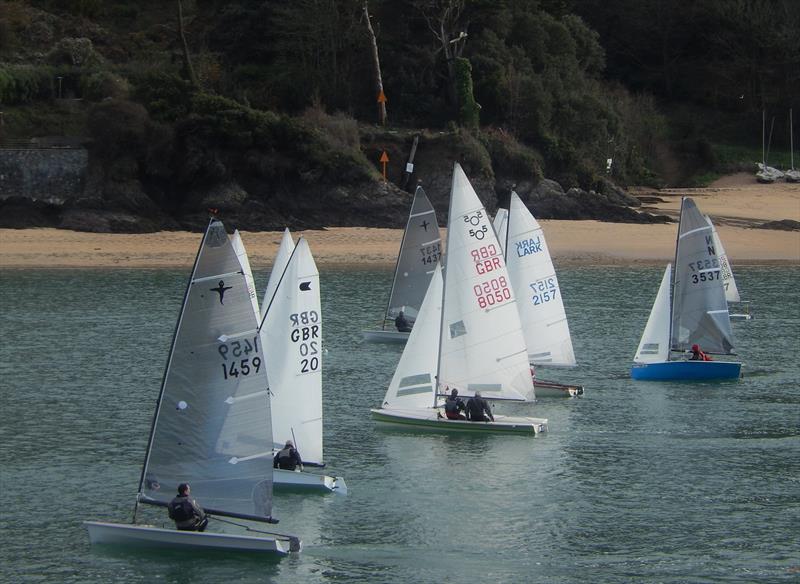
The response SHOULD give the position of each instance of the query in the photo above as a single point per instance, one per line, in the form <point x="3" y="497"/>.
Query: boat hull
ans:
<point x="289" y="480"/>
<point x="385" y="336"/>
<point x="686" y="370"/>
<point x="544" y="388"/>
<point x="742" y="316"/>
<point x="429" y="420"/>
<point x="147" y="536"/>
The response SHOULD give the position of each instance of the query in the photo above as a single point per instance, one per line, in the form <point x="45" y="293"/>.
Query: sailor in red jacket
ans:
<point x="698" y="355"/>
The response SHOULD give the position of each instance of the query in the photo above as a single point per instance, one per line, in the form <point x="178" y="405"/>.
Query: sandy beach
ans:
<point x="736" y="203"/>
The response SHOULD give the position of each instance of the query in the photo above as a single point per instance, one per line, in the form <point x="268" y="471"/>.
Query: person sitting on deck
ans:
<point x="476" y="406"/>
<point x="185" y="512"/>
<point x="453" y="406"/>
<point x="288" y="458"/>
<point x="698" y="355"/>
<point x="401" y="323"/>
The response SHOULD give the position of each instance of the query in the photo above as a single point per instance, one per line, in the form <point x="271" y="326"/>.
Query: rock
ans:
<point x="782" y="225"/>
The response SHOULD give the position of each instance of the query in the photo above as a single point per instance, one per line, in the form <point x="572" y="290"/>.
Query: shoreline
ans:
<point x="736" y="204"/>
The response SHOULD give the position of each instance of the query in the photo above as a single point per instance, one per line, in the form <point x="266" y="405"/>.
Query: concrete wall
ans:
<point x="51" y="175"/>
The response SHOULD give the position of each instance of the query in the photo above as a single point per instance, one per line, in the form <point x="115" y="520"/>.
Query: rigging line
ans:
<point x="253" y="529"/>
<point x="706" y="228"/>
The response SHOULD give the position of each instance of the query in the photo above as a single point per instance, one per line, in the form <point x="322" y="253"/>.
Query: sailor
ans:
<point x="698" y="355"/>
<point x="453" y="406"/>
<point x="185" y="512"/>
<point x="476" y="406"/>
<point x="288" y="458"/>
<point x="401" y="323"/>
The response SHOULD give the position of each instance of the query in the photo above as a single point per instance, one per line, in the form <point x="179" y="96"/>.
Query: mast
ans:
<point x="763" y="139"/>
<point x="166" y="369"/>
<point x="791" y="138"/>
<point x="674" y="278"/>
<point x="444" y="289"/>
<point x="397" y="263"/>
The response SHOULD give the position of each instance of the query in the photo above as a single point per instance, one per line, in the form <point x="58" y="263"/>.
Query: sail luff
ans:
<point x="169" y="358"/>
<point x="728" y="280"/>
<point x="285" y="250"/>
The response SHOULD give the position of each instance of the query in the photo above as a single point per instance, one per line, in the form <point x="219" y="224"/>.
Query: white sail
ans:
<point x="654" y="346"/>
<point x="278" y="266"/>
<point x="482" y="347"/>
<point x="413" y="384"/>
<point x="500" y="224"/>
<point x="699" y="309"/>
<point x="212" y="426"/>
<point x="534" y="280"/>
<point x="728" y="281"/>
<point x="244" y="261"/>
<point x="292" y="337"/>
<point x="420" y="249"/>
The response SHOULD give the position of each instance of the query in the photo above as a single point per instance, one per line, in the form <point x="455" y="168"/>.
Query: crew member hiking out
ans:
<point x="288" y="458"/>
<point x="185" y="512"/>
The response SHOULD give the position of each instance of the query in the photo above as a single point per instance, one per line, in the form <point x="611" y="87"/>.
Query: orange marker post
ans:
<point x="384" y="160"/>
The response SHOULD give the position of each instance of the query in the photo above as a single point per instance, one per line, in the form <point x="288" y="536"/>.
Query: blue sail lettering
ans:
<point x="529" y="246"/>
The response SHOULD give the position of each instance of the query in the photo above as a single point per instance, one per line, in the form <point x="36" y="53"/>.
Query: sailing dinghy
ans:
<point x="420" y="249"/>
<point x="212" y="422"/>
<point x="541" y="308"/>
<point x="291" y="334"/>
<point x="696" y="314"/>
<point x="285" y="250"/>
<point x="468" y="334"/>
<point x="728" y="281"/>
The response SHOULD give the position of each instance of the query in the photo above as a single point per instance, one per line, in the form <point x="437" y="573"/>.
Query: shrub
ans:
<point x="25" y="83"/>
<point x="118" y="128"/>
<point x="103" y="84"/>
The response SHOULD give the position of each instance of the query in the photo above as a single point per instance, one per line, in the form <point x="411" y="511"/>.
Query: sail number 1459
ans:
<point x="235" y="359"/>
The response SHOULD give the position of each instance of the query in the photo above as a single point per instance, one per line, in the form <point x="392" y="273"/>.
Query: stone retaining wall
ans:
<point x="49" y="175"/>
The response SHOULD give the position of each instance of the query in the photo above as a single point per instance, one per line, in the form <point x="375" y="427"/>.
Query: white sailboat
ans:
<point x="541" y="308"/>
<point x="212" y="422"/>
<point x="285" y="250"/>
<point x="291" y="334"/>
<point x="476" y="344"/>
<point x="244" y="261"/>
<point x="697" y="312"/>
<point x="766" y="174"/>
<point x="728" y="281"/>
<point x="420" y="249"/>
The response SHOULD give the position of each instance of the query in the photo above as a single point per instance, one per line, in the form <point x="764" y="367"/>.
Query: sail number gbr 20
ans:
<point x="305" y="334"/>
<point x="236" y="359"/>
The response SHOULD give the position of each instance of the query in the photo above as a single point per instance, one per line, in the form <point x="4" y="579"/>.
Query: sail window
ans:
<point x="457" y="329"/>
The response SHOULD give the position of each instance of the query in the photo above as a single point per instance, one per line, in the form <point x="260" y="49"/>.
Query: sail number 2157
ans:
<point x="236" y="360"/>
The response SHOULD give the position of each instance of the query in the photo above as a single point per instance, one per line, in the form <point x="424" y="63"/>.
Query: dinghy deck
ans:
<point x="383" y="336"/>
<point x="289" y="480"/>
<point x="148" y="536"/>
<point x="429" y="419"/>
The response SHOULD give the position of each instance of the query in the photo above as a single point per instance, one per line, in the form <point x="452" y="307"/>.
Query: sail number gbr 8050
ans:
<point x="494" y="290"/>
<point x="238" y="358"/>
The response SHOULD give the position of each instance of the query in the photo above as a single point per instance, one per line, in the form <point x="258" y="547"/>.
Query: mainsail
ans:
<point x="292" y="337"/>
<point x="278" y="266"/>
<point x="413" y="384"/>
<point x="419" y="251"/>
<point x="482" y="347"/>
<point x="534" y="280"/>
<point x="244" y="261"/>
<point x="728" y="281"/>
<point x="654" y="346"/>
<point x="500" y="224"/>
<point x="699" y="309"/>
<point x="212" y="425"/>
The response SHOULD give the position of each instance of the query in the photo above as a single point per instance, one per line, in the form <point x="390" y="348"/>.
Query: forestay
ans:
<point x="500" y="224"/>
<point x="654" y="345"/>
<point x="534" y="280"/>
<point x="278" y="266"/>
<point x="482" y="346"/>
<point x="292" y="337"/>
<point x="413" y="384"/>
<point x="699" y="309"/>
<point x="728" y="282"/>
<point x="212" y="426"/>
<point x="420" y="249"/>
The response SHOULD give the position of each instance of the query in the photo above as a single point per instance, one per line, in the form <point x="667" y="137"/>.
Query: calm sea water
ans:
<point x="658" y="482"/>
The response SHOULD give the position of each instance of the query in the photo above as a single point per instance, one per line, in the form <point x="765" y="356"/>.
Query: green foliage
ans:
<point x="510" y="157"/>
<point x="118" y="128"/>
<point x="102" y="84"/>
<point x="469" y="111"/>
<point x="166" y="95"/>
<point x="25" y="83"/>
<point x="76" y="52"/>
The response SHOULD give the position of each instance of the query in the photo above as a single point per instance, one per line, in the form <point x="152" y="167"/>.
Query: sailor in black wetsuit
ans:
<point x="476" y="406"/>
<point x="185" y="512"/>
<point x="287" y="458"/>
<point x="453" y="406"/>
<point x="402" y="324"/>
